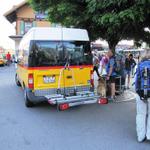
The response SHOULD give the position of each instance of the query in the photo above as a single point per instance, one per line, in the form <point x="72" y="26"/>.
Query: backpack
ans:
<point x="142" y="79"/>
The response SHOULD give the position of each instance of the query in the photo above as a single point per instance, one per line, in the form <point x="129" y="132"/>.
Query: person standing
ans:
<point x="143" y="99"/>
<point x="110" y="70"/>
<point x="8" y="57"/>
<point x="103" y="64"/>
<point x="129" y="65"/>
<point x="96" y="64"/>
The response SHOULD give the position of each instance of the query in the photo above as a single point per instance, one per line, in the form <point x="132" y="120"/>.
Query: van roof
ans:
<point x="64" y="34"/>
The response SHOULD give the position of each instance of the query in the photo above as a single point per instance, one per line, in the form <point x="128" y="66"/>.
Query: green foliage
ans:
<point x="112" y="20"/>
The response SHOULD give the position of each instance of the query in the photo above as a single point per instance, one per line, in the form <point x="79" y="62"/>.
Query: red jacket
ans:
<point x="8" y="57"/>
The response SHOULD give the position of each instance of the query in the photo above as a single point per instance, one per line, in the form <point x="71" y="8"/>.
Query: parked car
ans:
<point x="2" y="60"/>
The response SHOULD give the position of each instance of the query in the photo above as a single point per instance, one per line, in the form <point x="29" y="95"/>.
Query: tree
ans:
<point x="111" y="20"/>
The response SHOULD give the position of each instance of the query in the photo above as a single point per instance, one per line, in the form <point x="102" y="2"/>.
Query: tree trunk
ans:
<point x="112" y="45"/>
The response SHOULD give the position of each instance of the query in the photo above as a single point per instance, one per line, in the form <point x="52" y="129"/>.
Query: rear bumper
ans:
<point x="34" y="98"/>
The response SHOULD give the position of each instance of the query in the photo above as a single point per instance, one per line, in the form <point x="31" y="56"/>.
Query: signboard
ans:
<point x="41" y="15"/>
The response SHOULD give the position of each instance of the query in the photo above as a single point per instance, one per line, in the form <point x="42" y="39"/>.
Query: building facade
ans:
<point x="24" y="18"/>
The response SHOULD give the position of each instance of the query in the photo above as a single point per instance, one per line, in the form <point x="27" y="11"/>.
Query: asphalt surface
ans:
<point x="90" y="127"/>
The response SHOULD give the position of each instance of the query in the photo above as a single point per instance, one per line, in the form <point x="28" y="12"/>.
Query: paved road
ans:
<point x="92" y="127"/>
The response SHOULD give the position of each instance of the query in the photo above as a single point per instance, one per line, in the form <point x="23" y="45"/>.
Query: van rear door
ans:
<point x="49" y="59"/>
<point x="78" y="57"/>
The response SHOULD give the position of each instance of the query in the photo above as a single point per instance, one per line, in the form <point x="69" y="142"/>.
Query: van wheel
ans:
<point x="17" y="81"/>
<point x="28" y="103"/>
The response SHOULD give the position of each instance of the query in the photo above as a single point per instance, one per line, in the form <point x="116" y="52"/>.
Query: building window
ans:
<point x="27" y="26"/>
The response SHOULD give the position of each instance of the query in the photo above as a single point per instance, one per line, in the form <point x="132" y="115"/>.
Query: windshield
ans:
<point x="56" y="53"/>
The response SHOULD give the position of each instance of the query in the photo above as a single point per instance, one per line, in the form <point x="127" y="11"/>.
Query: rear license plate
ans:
<point x="49" y="79"/>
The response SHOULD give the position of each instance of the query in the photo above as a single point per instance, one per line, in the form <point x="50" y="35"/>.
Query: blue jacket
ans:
<point x="110" y="63"/>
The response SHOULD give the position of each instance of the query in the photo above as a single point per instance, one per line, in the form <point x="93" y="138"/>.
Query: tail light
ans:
<point x="64" y="106"/>
<point x="92" y="78"/>
<point x="103" y="101"/>
<point x="30" y="81"/>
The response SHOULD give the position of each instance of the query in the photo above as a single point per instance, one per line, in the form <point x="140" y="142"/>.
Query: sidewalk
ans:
<point x="128" y="95"/>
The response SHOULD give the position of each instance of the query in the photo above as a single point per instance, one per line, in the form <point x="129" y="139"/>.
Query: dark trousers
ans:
<point x="96" y="69"/>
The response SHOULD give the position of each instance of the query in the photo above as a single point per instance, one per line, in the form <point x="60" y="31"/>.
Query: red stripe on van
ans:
<point x="54" y="67"/>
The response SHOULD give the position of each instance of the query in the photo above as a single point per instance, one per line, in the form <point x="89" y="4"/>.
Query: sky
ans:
<point x="6" y="28"/>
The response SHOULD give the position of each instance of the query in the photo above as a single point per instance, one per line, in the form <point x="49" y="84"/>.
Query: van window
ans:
<point x="77" y="53"/>
<point x="46" y="53"/>
<point x="57" y="53"/>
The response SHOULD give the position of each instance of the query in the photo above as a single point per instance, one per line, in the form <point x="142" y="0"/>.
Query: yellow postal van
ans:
<point x="55" y="65"/>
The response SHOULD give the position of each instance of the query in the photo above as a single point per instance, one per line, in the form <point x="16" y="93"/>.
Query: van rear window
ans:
<point x="56" y="53"/>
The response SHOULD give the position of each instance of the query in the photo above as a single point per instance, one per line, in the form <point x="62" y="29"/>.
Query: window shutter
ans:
<point x="34" y="24"/>
<point x="21" y="27"/>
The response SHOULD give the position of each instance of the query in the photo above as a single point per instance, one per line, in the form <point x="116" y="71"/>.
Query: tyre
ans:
<point x="17" y="80"/>
<point x="28" y="102"/>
